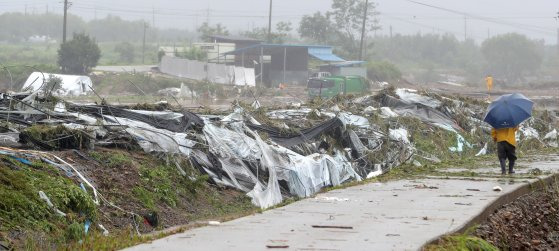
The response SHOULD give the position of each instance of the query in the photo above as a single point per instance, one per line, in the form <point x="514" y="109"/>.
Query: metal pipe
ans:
<point x="284" y="62"/>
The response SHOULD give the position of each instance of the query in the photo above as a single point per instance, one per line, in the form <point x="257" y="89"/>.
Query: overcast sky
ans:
<point x="484" y="18"/>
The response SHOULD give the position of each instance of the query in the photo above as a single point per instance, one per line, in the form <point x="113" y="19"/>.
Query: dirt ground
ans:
<point x="529" y="223"/>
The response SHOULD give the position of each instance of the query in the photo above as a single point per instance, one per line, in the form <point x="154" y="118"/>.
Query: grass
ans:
<point x="112" y="159"/>
<point x="21" y="208"/>
<point x="158" y="187"/>
<point x="461" y="242"/>
<point x="47" y="53"/>
<point x="56" y="137"/>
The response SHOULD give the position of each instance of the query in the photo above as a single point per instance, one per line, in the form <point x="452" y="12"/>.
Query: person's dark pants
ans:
<point x="506" y="151"/>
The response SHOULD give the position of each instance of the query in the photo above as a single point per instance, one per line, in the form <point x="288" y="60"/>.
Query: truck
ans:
<point x="327" y="87"/>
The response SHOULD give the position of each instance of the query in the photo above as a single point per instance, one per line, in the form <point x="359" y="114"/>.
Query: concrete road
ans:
<point x="397" y="215"/>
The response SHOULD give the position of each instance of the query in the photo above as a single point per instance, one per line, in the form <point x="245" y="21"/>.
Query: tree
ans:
<point x="206" y="31"/>
<point x="278" y="37"/>
<point x="511" y="56"/>
<point x="78" y="55"/>
<point x="342" y="25"/>
<point x="383" y="71"/>
<point x="125" y="51"/>
<point x="193" y="53"/>
<point x="316" y="27"/>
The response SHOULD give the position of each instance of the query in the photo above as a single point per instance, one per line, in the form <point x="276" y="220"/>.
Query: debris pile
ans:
<point x="272" y="153"/>
<point x="268" y="153"/>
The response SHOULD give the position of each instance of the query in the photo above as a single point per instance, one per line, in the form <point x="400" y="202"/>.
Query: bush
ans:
<point x="383" y="71"/>
<point x="79" y="55"/>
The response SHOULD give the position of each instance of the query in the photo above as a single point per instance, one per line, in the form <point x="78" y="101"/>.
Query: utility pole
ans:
<point x="557" y="18"/>
<point x="270" y="24"/>
<point x="64" y="24"/>
<point x="153" y="16"/>
<point x="144" y="44"/>
<point x="465" y="28"/>
<point x="390" y="31"/>
<point x="363" y="30"/>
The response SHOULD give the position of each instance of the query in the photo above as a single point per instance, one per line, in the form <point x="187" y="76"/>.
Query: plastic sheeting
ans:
<point x="303" y="137"/>
<point x="410" y="96"/>
<point x="172" y="121"/>
<point x="152" y="139"/>
<point x="245" y="159"/>
<point x="399" y="134"/>
<point x="70" y="85"/>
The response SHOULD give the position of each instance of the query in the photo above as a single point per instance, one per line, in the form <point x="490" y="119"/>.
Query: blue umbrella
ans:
<point x="509" y="111"/>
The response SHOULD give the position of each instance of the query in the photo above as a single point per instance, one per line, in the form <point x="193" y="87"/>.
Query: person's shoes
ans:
<point x="503" y="173"/>
<point x="511" y="172"/>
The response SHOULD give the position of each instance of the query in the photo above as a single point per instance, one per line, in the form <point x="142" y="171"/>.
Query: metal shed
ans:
<point x="288" y="62"/>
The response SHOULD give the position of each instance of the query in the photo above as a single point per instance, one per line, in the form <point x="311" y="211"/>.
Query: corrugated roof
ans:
<point x="321" y="52"/>
<point x="324" y="54"/>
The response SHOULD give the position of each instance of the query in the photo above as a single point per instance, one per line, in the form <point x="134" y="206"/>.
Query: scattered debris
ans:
<point x="277" y="246"/>
<point x="44" y="197"/>
<point x="214" y="223"/>
<point x="332" y="198"/>
<point x="423" y="186"/>
<point x="339" y="227"/>
<point x="497" y="189"/>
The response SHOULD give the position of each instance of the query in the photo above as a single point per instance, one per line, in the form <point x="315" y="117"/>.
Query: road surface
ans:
<point x="396" y="215"/>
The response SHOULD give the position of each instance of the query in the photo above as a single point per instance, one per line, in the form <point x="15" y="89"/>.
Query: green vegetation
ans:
<point x="14" y="76"/>
<point x="79" y="55"/>
<point x="383" y="71"/>
<point x="23" y="210"/>
<point x="125" y="51"/>
<point x="18" y="27"/>
<point x="527" y="56"/>
<point x="128" y="179"/>
<point x="206" y="30"/>
<point x="112" y="160"/>
<point x="461" y="242"/>
<point x="341" y="26"/>
<point x="58" y="137"/>
<point x="279" y="35"/>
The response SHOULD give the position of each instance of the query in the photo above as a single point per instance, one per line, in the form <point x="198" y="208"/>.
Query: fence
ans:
<point x="217" y="73"/>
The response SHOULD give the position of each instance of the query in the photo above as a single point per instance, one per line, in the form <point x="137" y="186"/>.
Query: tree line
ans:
<point x="509" y="57"/>
<point x="19" y="27"/>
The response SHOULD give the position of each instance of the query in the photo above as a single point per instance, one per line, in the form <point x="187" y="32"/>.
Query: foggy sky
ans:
<point x="534" y="18"/>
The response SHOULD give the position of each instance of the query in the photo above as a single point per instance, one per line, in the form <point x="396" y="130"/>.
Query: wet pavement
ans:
<point x="396" y="215"/>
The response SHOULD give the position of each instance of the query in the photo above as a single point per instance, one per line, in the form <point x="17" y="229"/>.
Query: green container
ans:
<point x="328" y="87"/>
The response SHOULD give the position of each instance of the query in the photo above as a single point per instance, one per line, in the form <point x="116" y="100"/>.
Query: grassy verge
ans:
<point x="133" y="181"/>
<point x="461" y="242"/>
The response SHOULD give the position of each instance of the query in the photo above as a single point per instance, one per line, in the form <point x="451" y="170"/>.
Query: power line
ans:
<point x="423" y="25"/>
<point x="527" y="27"/>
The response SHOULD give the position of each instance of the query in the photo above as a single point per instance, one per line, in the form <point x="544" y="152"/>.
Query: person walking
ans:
<point x="489" y="83"/>
<point x="506" y="147"/>
<point x="504" y="115"/>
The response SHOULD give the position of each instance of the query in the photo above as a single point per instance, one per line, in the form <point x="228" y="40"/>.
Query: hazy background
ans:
<point x="534" y="18"/>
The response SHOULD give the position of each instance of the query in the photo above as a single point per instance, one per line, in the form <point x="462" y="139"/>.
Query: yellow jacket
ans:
<point x="505" y="134"/>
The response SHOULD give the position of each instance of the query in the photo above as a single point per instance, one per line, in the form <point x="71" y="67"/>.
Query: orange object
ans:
<point x="489" y="82"/>
<point x="505" y="134"/>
